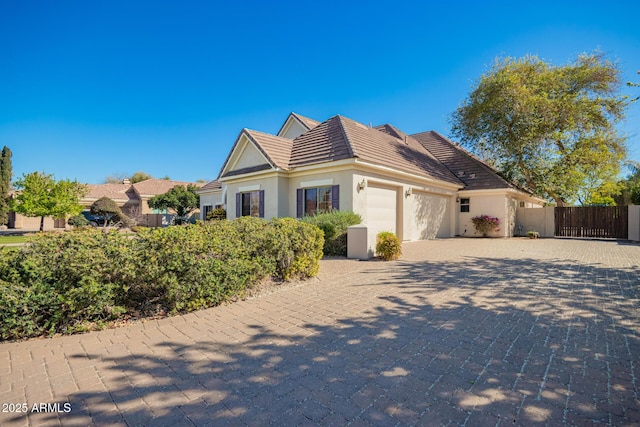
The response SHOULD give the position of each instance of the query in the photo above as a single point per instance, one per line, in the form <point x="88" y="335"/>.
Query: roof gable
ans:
<point x="255" y="151"/>
<point x="295" y="125"/>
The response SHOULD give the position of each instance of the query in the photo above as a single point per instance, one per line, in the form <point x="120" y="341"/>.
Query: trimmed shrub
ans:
<point x="388" y="246"/>
<point x="216" y="214"/>
<point x="78" y="221"/>
<point x="81" y="280"/>
<point x="334" y="225"/>
<point x="60" y="283"/>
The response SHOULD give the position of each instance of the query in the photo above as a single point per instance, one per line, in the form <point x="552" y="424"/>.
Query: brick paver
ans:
<point x="475" y="332"/>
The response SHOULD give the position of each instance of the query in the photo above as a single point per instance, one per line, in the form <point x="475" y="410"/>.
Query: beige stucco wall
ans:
<point x="501" y="204"/>
<point x="483" y="204"/>
<point x="536" y="219"/>
<point x="293" y="129"/>
<point x="250" y="156"/>
<point x="416" y="220"/>
<point x="210" y="199"/>
<point x="343" y="178"/>
<point x="271" y="197"/>
<point x="21" y="222"/>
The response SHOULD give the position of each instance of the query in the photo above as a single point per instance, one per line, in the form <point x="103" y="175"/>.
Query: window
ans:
<point x="464" y="205"/>
<point x="311" y="201"/>
<point x="207" y="209"/>
<point x="250" y="204"/>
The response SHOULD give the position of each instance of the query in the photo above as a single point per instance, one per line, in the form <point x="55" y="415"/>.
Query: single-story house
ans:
<point x="420" y="186"/>
<point x="131" y="198"/>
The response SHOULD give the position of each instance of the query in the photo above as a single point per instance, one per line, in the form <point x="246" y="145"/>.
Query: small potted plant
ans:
<point x="533" y="234"/>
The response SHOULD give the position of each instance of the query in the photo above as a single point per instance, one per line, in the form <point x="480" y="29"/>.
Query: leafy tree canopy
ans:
<point x="551" y="129"/>
<point x="630" y="187"/>
<point x="40" y="195"/>
<point x="108" y="209"/>
<point x="120" y="177"/>
<point x="182" y="200"/>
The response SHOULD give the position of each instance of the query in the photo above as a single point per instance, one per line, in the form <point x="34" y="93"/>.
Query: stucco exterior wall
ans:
<point x="427" y="212"/>
<point x="343" y="178"/>
<point x="494" y="205"/>
<point x="21" y="222"/>
<point x="271" y="196"/>
<point x="210" y="199"/>
<point x="536" y="219"/>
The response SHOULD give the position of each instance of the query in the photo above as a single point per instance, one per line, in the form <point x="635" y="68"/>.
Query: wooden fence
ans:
<point x="606" y="222"/>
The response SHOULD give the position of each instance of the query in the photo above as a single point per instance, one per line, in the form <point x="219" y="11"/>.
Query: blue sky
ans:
<point x="91" y="89"/>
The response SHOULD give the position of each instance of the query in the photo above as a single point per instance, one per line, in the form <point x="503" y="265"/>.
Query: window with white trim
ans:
<point x="464" y="205"/>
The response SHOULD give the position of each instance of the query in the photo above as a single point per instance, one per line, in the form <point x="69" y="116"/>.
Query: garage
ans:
<point x="429" y="217"/>
<point x="382" y="209"/>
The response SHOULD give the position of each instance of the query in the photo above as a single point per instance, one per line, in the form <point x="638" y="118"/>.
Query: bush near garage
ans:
<point x="334" y="225"/>
<point x="388" y="246"/>
<point x="85" y="279"/>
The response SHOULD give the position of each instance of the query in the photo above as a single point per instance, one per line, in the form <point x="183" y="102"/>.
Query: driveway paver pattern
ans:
<point x="473" y="332"/>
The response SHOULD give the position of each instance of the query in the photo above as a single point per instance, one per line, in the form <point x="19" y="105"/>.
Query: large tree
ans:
<point x="5" y="183"/>
<point x="120" y="177"/>
<point x="182" y="200"/>
<point x="40" y="195"/>
<point x="551" y="129"/>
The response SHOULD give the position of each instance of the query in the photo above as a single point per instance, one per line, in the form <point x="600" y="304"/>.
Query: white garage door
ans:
<point x="430" y="217"/>
<point x="381" y="209"/>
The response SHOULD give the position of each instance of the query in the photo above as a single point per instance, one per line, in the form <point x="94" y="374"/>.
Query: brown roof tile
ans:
<point x="326" y="142"/>
<point x="306" y="121"/>
<point x="152" y="187"/>
<point x="116" y="192"/>
<point x="213" y="185"/>
<point x="474" y="173"/>
<point x="275" y="148"/>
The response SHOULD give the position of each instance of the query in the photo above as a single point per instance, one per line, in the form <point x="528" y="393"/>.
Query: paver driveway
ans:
<point x="458" y="332"/>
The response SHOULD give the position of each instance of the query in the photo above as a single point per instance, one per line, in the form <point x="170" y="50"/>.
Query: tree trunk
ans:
<point x="41" y="224"/>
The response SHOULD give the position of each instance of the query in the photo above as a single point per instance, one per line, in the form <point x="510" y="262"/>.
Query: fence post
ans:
<point x="634" y="223"/>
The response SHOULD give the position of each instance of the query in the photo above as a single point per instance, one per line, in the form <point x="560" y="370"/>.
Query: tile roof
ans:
<point x="275" y="148"/>
<point x="473" y="172"/>
<point x="326" y="142"/>
<point x="426" y="154"/>
<point x="153" y="186"/>
<point x="342" y="138"/>
<point x="306" y="121"/>
<point x="211" y="186"/>
<point x="113" y="191"/>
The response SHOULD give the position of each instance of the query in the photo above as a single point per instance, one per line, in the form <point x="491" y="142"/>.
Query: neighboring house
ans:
<point x="131" y="198"/>
<point x="123" y="194"/>
<point x="152" y="187"/>
<point x="419" y="186"/>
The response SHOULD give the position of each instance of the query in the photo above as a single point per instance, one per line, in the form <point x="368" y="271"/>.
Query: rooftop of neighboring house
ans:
<point x="152" y="187"/>
<point x="117" y="192"/>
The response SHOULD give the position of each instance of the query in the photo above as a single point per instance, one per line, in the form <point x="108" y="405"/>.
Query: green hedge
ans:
<point x="81" y="280"/>
<point x="334" y="225"/>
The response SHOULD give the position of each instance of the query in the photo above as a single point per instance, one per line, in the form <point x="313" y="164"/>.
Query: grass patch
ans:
<point x="5" y="240"/>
